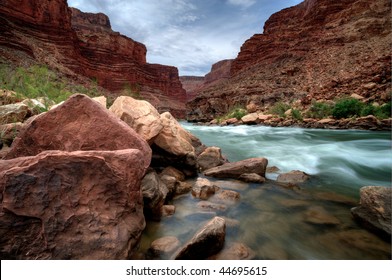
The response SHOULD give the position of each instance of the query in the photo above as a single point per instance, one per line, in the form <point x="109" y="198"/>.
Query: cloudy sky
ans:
<point x="188" y="34"/>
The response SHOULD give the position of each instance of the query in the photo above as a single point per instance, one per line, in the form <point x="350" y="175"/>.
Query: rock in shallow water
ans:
<point x="164" y="246"/>
<point x="236" y="169"/>
<point x="208" y="241"/>
<point x="236" y="251"/>
<point x="210" y="157"/>
<point x="203" y="188"/>
<point x="319" y="216"/>
<point x="374" y="211"/>
<point x="293" y="177"/>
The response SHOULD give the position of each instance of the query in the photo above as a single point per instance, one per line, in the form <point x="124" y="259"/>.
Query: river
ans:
<point x="277" y="222"/>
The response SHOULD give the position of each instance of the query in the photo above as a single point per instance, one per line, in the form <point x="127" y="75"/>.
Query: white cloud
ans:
<point x="191" y="35"/>
<point x="242" y="3"/>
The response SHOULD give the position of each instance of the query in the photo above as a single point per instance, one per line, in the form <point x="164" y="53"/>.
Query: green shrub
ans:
<point x="368" y="109"/>
<point x="320" y="110"/>
<point x="347" y="108"/>
<point x="296" y="114"/>
<point x="237" y="113"/>
<point x="39" y="81"/>
<point x="383" y="111"/>
<point x="279" y="108"/>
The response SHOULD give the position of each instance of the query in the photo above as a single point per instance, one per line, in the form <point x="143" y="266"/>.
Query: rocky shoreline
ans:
<point x="362" y="123"/>
<point x="81" y="181"/>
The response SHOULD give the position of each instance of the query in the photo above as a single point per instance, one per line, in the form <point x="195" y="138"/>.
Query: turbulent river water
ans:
<point x="277" y="222"/>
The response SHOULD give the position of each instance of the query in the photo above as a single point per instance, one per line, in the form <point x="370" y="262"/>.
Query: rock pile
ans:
<point x="80" y="181"/>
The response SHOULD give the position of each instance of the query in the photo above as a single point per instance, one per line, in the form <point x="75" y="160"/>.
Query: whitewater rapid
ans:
<point x="341" y="160"/>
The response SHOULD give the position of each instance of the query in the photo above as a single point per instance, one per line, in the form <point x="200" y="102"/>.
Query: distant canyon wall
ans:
<point x="77" y="43"/>
<point x="193" y="85"/>
<point x="317" y="50"/>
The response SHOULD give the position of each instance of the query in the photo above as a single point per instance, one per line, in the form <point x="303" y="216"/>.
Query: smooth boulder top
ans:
<point x="80" y="123"/>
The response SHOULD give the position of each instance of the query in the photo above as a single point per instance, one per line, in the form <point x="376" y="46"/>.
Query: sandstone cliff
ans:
<point x="83" y="44"/>
<point x="193" y="85"/>
<point x="318" y="49"/>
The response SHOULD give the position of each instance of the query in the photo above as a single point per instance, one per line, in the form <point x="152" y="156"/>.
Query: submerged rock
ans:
<point x="227" y="196"/>
<point x="210" y="206"/>
<point x="374" y="210"/>
<point x="319" y="216"/>
<point x="236" y="251"/>
<point x="206" y="242"/>
<point x="293" y="177"/>
<point x="164" y="246"/>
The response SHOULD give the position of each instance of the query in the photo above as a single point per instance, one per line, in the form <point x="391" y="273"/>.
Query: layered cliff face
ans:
<point x="193" y="85"/>
<point x="318" y="49"/>
<point x="83" y="44"/>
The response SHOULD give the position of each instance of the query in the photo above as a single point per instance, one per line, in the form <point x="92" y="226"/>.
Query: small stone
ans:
<point x="203" y="188"/>
<point x="168" y="210"/>
<point x="164" y="246"/>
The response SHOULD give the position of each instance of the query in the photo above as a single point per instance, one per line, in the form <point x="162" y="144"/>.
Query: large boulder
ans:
<point x="210" y="157"/>
<point x="71" y="205"/>
<point x="174" y="146"/>
<point x="80" y="123"/>
<point x="250" y="118"/>
<point x="140" y="115"/>
<point x="154" y="195"/>
<point x="236" y="169"/>
<point x="374" y="210"/>
<point x="173" y="138"/>
<point x="207" y="241"/>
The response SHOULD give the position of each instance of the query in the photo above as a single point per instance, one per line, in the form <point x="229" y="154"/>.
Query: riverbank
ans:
<point x="362" y="123"/>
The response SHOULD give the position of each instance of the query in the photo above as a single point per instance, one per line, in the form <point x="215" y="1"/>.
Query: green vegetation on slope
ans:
<point x="39" y="81"/>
